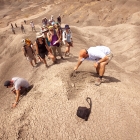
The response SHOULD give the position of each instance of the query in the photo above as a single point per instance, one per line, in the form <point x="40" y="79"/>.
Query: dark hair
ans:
<point x="7" y="83"/>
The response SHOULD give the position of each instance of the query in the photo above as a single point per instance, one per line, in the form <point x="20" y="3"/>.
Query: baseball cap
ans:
<point x="7" y="83"/>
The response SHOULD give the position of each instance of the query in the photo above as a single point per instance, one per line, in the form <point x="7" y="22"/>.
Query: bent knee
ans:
<point x="103" y="64"/>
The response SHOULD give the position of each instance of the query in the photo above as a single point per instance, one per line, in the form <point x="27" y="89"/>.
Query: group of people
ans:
<point x="50" y="21"/>
<point x="13" y="30"/>
<point x="22" y="27"/>
<point x="48" y="41"/>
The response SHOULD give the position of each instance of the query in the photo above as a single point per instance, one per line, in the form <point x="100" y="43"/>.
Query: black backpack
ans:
<point x="84" y="112"/>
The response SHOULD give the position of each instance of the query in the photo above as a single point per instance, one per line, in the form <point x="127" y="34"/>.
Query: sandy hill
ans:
<point x="45" y="113"/>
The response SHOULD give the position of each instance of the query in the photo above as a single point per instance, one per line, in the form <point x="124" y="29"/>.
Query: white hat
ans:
<point x="44" y="30"/>
<point x="39" y="34"/>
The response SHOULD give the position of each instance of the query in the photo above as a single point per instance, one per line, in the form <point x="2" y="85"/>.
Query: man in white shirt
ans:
<point x="18" y="85"/>
<point x="101" y="55"/>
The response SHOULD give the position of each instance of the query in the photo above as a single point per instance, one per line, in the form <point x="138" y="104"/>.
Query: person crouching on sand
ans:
<point x="101" y="55"/>
<point x="19" y="86"/>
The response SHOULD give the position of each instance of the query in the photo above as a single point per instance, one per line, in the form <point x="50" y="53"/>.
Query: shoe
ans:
<point x="46" y="66"/>
<point x="98" y="81"/>
<point x="67" y="54"/>
<point x="62" y="57"/>
<point x="35" y="66"/>
<point x="55" y="62"/>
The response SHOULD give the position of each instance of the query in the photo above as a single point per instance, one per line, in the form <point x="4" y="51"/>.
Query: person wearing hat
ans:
<point x="67" y="39"/>
<point x="101" y="55"/>
<point x="42" y="48"/>
<point x="54" y="39"/>
<point x="19" y="86"/>
<point x="29" y="52"/>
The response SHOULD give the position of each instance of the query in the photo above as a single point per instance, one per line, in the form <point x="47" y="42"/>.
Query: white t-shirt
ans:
<point x="19" y="82"/>
<point x="96" y="53"/>
<point x="32" y="24"/>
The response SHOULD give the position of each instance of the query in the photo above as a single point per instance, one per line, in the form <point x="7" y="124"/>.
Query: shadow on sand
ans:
<point x="107" y="79"/>
<point x="25" y="92"/>
<point x="70" y="58"/>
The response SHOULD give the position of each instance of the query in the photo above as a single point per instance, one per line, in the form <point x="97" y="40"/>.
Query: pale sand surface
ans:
<point x="45" y="113"/>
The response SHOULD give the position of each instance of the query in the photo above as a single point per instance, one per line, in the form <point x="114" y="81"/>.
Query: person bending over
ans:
<point x="101" y="55"/>
<point x="18" y="86"/>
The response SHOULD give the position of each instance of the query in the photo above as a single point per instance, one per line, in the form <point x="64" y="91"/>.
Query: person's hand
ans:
<point x="95" y="64"/>
<point x="14" y="105"/>
<point x="75" y="68"/>
<point x="55" y="42"/>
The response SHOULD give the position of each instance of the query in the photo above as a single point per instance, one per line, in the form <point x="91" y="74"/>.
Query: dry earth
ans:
<point x="48" y="111"/>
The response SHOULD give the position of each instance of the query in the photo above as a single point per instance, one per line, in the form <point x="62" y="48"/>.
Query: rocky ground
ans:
<point x="48" y="111"/>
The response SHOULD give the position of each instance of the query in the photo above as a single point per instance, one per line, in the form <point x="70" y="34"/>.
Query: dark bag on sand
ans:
<point x="84" y="112"/>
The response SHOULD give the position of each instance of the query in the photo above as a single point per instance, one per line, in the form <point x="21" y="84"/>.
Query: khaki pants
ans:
<point x="110" y="56"/>
<point x="54" y="48"/>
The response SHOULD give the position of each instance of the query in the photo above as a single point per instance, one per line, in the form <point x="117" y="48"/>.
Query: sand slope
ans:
<point x="45" y="113"/>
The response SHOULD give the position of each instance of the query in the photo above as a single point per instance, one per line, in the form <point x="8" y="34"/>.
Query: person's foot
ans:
<point x="67" y="54"/>
<point x="35" y="65"/>
<point x="98" y="81"/>
<point x="46" y="66"/>
<point x="55" y="62"/>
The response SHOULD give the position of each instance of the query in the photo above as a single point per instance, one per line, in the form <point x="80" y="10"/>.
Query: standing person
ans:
<point x="45" y="32"/>
<point x="42" y="48"/>
<point x="52" y="19"/>
<point x="19" y="86"/>
<point x="45" y="21"/>
<point x="25" y="21"/>
<point x="29" y="52"/>
<point x="12" y="25"/>
<point x="13" y="30"/>
<point x="54" y="39"/>
<point x="101" y="55"/>
<point x="33" y="26"/>
<point x="16" y="25"/>
<point x="67" y="39"/>
<point x="58" y="30"/>
<point x="22" y="28"/>
<point x="59" y="19"/>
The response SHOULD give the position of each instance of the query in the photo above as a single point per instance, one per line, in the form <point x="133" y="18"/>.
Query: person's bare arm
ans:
<point x="78" y="64"/>
<point x="36" y="48"/>
<point x="49" y="35"/>
<point x="47" y="47"/>
<point x="59" y="36"/>
<point x="23" y="49"/>
<point x="17" y="98"/>
<point x="100" y="61"/>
